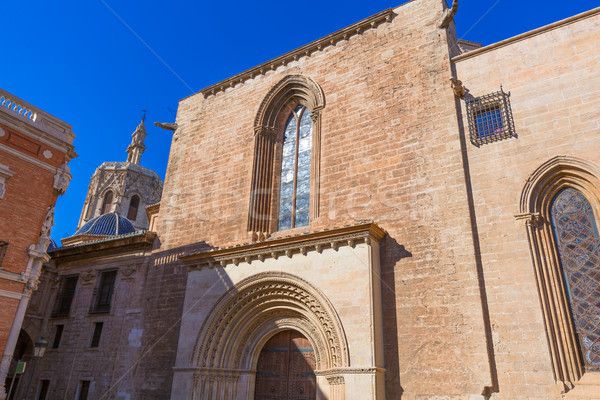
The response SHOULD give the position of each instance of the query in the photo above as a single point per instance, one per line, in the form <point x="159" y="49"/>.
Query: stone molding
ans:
<point x="249" y="314"/>
<point x="537" y="195"/>
<point x="304" y="51"/>
<point x="527" y="35"/>
<point x="291" y="90"/>
<point x="287" y="246"/>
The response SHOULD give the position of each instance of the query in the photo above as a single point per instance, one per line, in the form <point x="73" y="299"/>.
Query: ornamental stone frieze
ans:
<point x="362" y="232"/>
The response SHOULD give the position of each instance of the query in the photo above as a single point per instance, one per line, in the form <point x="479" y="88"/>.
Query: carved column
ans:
<point x="562" y="339"/>
<point x="315" y="165"/>
<point x="337" y="388"/>
<point x="259" y="217"/>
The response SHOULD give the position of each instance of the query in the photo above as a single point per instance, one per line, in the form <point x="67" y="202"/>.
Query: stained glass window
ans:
<point x="578" y="244"/>
<point x="294" y="194"/>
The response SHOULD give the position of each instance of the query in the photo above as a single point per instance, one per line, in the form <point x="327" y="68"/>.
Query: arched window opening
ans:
<point x="108" y="199"/>
<point x="133" y="208"/>
<point x="294" y="194"/>
<point x="578" y="243"/>
<point x="269" y="200"/>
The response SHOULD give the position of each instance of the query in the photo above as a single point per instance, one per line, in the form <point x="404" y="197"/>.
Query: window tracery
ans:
<point x="578" y="244"/>
<point x="559" y="205"/>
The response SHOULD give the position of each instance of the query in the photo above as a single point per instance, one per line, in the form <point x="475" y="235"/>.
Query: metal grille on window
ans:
<point x="490" y="118"/>
<point x="103" y="294"/>
<point x="294" y="195"/>
<point x="62" y="304"/>
<point x="578" y="242"/>
<point x="3" y="247"/>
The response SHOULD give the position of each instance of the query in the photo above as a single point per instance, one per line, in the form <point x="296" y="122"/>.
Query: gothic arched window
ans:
<point x="287" y="133"/>
<point x="294" y="193"/>
<point x="578" y="244"/>
<point x="107" y="202"/>
<point x="134" y="204"/>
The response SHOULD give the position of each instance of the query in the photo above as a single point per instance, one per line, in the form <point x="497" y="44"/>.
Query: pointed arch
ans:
<point x="273" y="112"/>
<point x="538" y="197"/>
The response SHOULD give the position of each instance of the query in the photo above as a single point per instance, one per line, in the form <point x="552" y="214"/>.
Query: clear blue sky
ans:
<point x="79" y="60"/>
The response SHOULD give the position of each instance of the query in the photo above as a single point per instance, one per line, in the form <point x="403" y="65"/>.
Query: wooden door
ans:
<point x="285" y="369"/>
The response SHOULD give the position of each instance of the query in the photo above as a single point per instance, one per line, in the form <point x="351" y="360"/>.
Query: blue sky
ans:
<point x="97" y="63"/>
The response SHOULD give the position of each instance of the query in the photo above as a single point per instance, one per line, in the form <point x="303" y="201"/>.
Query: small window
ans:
<point x="97" y="333"/>
<point x="133" y="208"/>
<point x="103" y="294"/>
<point x="490" y="118"/>
<point x="108" y="199"/>
<point x="44" y="386"/>
<point x="84" y="388"/>
<point x="57" y="336"/>
<point x="3" y="248"/>
<point x="62" y="305"/>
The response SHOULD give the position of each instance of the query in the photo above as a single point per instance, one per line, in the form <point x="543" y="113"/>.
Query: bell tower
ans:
<point x="124" y="187"/>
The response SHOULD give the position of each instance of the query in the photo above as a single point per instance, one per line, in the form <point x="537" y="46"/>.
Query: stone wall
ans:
<point x="554" y="83"/>
<point x="390" y="152"/>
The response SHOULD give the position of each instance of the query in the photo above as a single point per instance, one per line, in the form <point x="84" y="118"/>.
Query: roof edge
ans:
<point x="527" y="35"/>
<point x="306" y="50"/>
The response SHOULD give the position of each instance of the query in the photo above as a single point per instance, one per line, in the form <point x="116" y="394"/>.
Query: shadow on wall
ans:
<point x="391" y="253"/>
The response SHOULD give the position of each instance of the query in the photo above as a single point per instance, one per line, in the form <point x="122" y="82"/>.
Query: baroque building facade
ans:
<point x="35" y="149"/>
<point x="386" y="212"/>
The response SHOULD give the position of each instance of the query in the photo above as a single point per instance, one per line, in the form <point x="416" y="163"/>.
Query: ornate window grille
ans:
<point x="103" y="293"/>
<point x="294" y="193"/>
<point x="62" y="304"/>
<point x="578" y="244"/>
<point x="490" y="118"/>
<point x="3" y="248"/>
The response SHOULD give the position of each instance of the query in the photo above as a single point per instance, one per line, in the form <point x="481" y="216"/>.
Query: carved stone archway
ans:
<point x="247" y="316"/>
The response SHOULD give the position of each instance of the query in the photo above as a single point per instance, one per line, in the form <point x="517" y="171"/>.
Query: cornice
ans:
<point x="306" y="50"/>
<point x="28" y="158"/>
<point x="350" y="235"/>
<point x="526" y="35"/>
<point x="11" y="276"/>
<point x="99" y="248"/>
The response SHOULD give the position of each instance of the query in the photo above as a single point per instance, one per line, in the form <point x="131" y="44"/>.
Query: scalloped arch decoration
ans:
<point x="301" y="87"/>
<point x="258" y="307"/>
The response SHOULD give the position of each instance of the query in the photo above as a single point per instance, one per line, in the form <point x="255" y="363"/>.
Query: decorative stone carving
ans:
<point x="335" y="238"/>
<point x="335" y="380"/>
<point x="449" y="15"/>
<point x="62" y="179"/>
<point x="458" y="88"/>
<point x="249" y="299"/>
<point x="254" y="309"/>
<point x="170" y="126"/>
<point x="47" y="154"/>
<point x="129" y="270"/>
<point x="88" y="276"/>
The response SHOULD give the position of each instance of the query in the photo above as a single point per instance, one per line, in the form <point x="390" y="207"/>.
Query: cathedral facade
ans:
<point x="385" y="213"/>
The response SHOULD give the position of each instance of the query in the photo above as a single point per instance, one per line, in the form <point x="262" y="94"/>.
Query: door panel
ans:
<point x="285" y="369"/>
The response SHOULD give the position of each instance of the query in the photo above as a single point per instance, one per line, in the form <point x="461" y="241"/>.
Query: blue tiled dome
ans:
<point x="107" y="225"/>
<point x="52" y="245"/>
